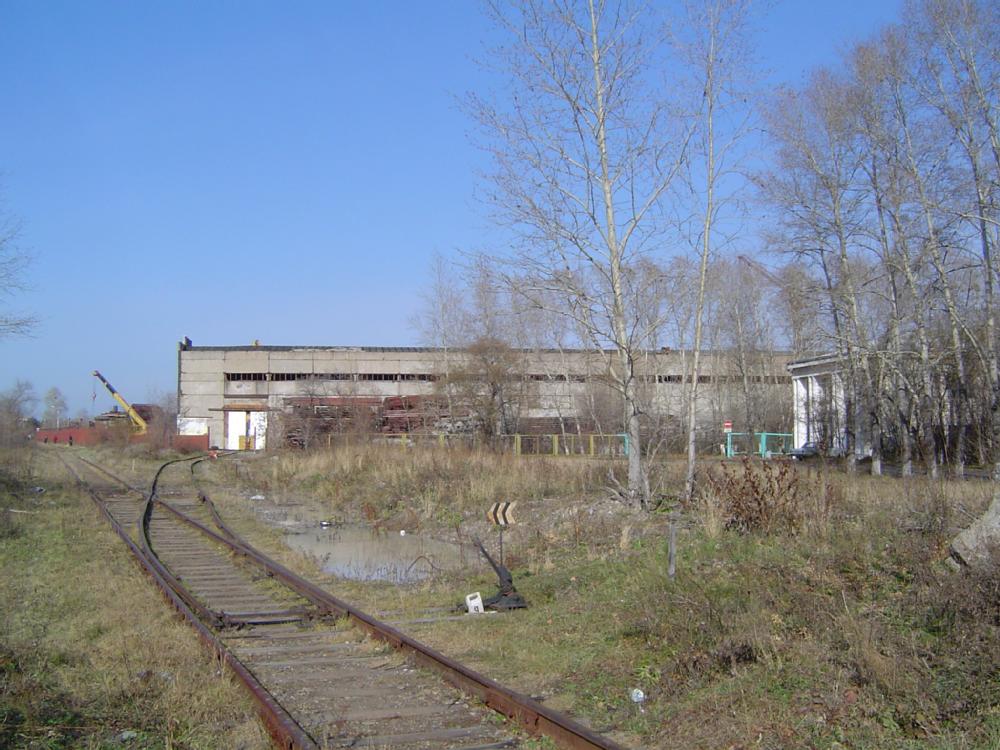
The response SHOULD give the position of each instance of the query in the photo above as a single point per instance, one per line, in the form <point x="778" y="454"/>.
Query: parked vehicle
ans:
<point x="809" y="450"/>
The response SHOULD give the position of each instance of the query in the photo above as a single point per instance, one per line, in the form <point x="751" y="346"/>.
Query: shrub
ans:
<point x="762" y="497"/>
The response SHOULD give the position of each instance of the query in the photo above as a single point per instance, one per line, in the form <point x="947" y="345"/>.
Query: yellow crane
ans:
<point x="139" y="422"/>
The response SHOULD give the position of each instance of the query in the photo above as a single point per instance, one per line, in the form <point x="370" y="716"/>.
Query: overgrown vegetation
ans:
<point x="810" y="608"/>
<point x="388" y="481"/>
<point x="823" y="616"/>
<point x="90" y="656"/>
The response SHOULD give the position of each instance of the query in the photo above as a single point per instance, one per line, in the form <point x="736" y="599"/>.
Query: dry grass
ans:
<point x="379" y="482"/>
<point x="842" y="629"/>
<point x="88" y="650"/>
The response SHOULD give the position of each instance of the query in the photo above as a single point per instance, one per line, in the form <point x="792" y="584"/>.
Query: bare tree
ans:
<point x="470" y="314"/>
<point x="13" y="264"/>
<point x="716" y="52"/>
<point x="889" y="193"/>
<point x="584" y="157"/>
<point x="55" y="408"/>
<point x="16" y="404"/>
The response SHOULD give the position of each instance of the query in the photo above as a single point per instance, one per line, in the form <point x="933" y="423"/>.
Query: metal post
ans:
<point x="672" y="549"/>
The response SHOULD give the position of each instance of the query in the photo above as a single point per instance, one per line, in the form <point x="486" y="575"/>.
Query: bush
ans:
<point x="761" y="497"/>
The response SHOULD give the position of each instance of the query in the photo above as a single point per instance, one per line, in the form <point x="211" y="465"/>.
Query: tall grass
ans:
<point x="88" y="650"/>
<point x="432" y="482"/>
<point x="821" y="618"/>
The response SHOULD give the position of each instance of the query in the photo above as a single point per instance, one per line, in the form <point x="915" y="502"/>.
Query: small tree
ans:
<point x="16" y="423"/>
<point x="55" y="408"/>
<point x="489" y="385"/>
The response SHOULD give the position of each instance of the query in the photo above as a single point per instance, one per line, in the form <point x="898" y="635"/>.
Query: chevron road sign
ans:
<point x="501" y="514"/>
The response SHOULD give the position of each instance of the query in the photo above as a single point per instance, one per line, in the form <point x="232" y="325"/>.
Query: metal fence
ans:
<point x="763" y="444"/>
<point x="588" y="444"/>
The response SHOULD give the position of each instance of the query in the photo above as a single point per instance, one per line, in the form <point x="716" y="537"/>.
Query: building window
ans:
<point x="239" y="376"/>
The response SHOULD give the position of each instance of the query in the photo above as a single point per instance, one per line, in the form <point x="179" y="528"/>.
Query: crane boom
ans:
<point x="139" y="422"/>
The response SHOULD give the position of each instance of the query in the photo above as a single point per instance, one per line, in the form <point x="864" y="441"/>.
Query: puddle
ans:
<point x="365" y="554"/>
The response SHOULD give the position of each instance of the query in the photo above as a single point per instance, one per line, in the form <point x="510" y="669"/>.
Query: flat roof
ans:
<point x="186" y="345"/>
<point x="819" y="359"/>
<point x="391" y="349"/>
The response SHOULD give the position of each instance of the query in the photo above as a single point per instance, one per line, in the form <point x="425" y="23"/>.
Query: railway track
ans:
<point x="323" y="673"/>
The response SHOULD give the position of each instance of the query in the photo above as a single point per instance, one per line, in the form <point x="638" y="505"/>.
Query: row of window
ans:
<point x="705" y="379"/>
<point x="286" y="376"/>
<point x="429" y="378"/>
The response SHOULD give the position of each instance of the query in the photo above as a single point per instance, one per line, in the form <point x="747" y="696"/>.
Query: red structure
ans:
<point x="77" y="435"/>
<point x="97" y="434"/>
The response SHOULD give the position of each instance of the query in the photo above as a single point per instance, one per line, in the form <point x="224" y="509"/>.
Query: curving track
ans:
<point x="324" y="674"/>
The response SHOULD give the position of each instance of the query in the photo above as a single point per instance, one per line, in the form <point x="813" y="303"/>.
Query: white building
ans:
<point x="821" y="404"/>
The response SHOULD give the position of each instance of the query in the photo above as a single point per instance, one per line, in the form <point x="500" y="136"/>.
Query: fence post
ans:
<point x="672" y="548"/>
<point x="555" y="445"/>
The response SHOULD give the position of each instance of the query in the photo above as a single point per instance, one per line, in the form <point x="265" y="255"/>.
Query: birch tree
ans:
<point x="715" y="51"/>
<point x="585" y="152"/>
<point x="55" y="408"/>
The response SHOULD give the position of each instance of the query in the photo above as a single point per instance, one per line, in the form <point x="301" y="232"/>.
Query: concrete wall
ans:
<point x="215" y="380"/>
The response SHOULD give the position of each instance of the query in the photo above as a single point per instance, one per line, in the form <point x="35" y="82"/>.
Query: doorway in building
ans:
<point x="246" y="430"/>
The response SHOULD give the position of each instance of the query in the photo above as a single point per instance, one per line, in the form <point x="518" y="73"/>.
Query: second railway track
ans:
<point x="324" y="674"/>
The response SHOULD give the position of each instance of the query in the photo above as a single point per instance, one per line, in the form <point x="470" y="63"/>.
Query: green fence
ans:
<point x="763" y="444"/>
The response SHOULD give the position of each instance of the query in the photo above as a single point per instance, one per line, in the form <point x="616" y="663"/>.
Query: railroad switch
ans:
<point x="508" y="597"/>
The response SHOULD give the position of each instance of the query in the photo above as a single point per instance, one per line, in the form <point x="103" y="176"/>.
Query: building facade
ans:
<point x="821" y="407"/>
<point x="242" y="397"/>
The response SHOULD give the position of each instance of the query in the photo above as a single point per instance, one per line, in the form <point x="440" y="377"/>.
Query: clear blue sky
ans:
<point x="236" y="170"/>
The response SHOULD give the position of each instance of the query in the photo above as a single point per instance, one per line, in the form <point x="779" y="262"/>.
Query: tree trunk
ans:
<point x="636" y="483"/>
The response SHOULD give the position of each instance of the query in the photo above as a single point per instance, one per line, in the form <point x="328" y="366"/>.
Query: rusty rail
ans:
<point x="284" y="730"/>
<point x="527" y="713"/>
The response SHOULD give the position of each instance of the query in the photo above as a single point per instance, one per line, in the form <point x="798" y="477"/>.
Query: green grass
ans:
<point x="88" y="650"/>
<point x="841" y="628"/>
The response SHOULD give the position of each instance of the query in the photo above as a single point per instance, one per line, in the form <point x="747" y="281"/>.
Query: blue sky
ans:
<point x="232" y="171"/>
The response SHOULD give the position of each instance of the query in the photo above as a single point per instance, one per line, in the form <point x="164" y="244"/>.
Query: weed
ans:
<point x="8" y="527"/>
<point x="761" y="497"/>
<point x="821" y="616"/>
<point x="88" y="650"/>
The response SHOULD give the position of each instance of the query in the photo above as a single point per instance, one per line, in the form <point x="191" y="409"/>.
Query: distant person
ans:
<point x="70" y="441"/>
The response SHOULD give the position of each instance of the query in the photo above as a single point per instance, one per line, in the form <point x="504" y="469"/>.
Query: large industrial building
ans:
<point x="251" y="396"/>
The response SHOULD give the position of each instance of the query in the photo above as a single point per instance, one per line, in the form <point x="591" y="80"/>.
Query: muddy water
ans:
<point x="359" y="552"/>
<point x="366" y="554"/>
